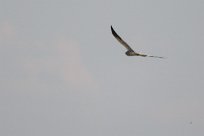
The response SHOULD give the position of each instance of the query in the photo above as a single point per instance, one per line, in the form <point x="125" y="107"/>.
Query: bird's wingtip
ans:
<point x="111" y="27"/>
<point x="113" y="31"/>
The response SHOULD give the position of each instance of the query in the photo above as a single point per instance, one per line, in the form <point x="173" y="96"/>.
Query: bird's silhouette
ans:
<point x="130" y="51"/>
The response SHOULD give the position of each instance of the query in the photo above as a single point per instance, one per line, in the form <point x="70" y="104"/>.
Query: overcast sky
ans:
<point x="62" y="73"/>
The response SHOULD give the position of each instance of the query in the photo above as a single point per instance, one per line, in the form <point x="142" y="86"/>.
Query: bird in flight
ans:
<point x="130" y="51"/>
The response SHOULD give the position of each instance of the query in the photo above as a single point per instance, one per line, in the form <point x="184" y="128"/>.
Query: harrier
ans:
<point x="130" y="51"/>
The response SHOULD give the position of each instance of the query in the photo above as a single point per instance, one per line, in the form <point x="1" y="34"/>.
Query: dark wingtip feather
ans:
<point x="112" y="30"/>
<point x="114" y="33"/>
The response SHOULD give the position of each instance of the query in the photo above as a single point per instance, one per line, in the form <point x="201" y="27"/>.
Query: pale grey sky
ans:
<point x="63" y="73"/>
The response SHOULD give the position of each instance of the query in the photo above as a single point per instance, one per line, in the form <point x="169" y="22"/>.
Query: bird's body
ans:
<point x="130" y="51"/>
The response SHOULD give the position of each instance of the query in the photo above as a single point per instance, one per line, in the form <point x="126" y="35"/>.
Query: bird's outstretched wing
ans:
<point x="156" y="57"/>
<point x="120" y="39"/>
